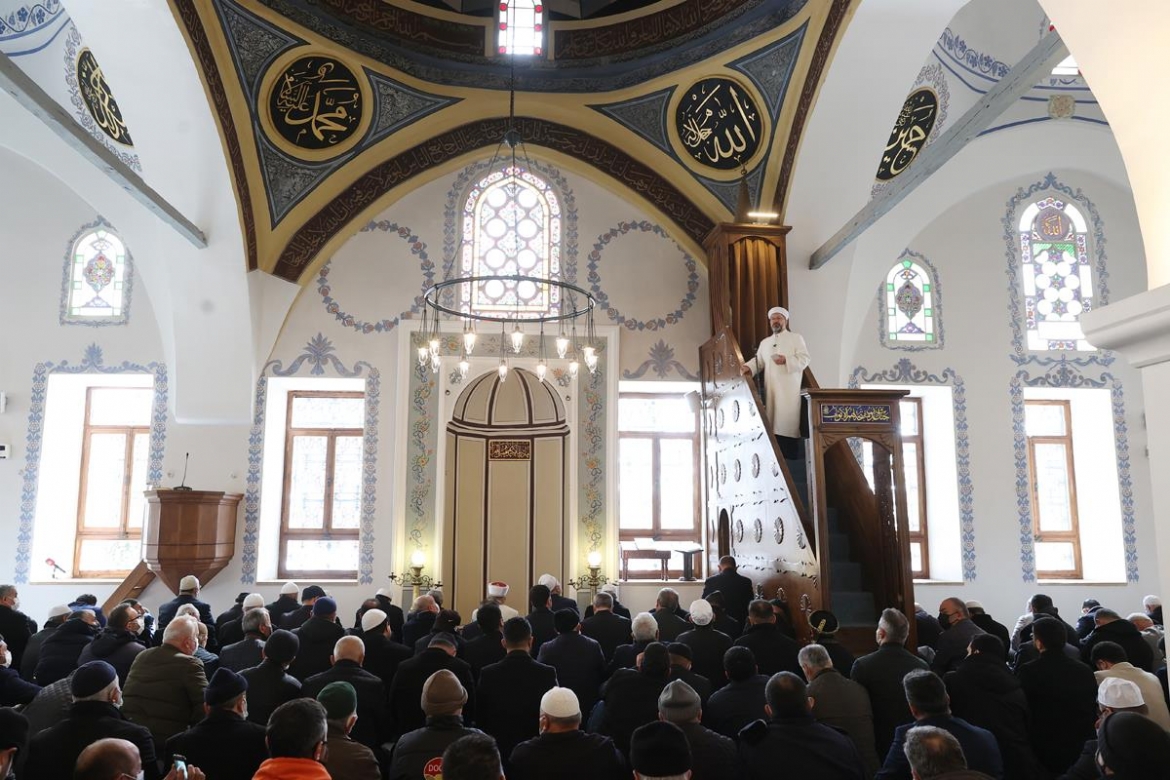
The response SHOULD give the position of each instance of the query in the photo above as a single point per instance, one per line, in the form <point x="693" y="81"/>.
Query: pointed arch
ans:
<point x="910" y="305"/>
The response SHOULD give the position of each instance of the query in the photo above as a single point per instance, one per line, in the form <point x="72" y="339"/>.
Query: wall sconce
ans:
<point x="416" y="580"/>
<point x="594" y="579"/>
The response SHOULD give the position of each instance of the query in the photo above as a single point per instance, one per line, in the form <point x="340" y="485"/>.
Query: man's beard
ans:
<point x="777" y="329"/>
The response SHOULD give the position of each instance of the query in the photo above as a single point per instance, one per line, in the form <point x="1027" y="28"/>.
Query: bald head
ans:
<point x="349" y="648"/>
<point x="108" y="759"/>
<point x="424" y="604"/>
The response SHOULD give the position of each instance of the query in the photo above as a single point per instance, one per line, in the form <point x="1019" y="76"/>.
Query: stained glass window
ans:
<point x="1057" y="275"/>
<point x="520" y="27"/>
<point x="910" y="303"/>
<point x="511" y="227"/>
<point x="97" y="279"/>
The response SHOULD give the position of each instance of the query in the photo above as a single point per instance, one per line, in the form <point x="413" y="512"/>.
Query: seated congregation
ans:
<point x="720" y="690"/>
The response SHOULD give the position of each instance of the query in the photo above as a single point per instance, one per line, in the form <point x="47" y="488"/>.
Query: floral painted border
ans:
<point x="662" y="361"/>
<point x="93" y="361"/>
<point x="905" y="372"/>
<point x="630" y="323"/>
<point x="318" y="355"/>
<point x="1065" y="374"/>
<point x="67" y="279"/>
<point x="29" y="18"/>
<point x="936" y="288"/>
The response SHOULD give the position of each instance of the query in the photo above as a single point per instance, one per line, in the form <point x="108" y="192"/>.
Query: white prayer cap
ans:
<point x="289" y="589"/>
<point x="973" y="604"/>
<point x="58" y="611"/>
<point x="548" y="581"/>
<point x="385" y="592"/>
<point x="252" y="601"/>
<point x="372" y="619"/>
<point x="498" y="589"/>
<point x="779" y="310"/>
<point x="1116" y="693"/>
<point x="701" y="612"/>
<point x="560" y="703"/>
<point x="190" y="582"/>
<point x="1151" y="601"/>
<point x="609" y="588"/>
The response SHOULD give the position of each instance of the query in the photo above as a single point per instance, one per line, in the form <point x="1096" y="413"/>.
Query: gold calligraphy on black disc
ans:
<point x="316" y="103"/>
<point x="719" y="124"/>
<point x="98" y="99"/>
<point x="910" y="132"/>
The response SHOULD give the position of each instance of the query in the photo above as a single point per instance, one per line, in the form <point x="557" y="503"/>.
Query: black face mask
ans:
<point x="944" y="620"/>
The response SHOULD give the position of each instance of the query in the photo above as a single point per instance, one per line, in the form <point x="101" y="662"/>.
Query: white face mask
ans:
<point x="7" y="658"/>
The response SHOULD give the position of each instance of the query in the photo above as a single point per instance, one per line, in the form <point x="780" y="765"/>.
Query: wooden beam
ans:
<point x="29" y="94"/>
<point x="1019" y="80"/>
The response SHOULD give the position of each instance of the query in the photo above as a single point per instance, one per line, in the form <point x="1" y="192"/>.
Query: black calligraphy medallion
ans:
<point x="910" y="132"/>
<point x="98" y="99"/>
<point x="718" y="123"/>
<point x="316" y="103"/>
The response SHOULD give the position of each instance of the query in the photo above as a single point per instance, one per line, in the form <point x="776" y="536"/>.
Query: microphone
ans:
<point x="56" y="568"/>
<point x="183" y="484"/>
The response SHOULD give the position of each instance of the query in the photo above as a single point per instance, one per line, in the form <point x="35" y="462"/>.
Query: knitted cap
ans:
<point x="91" y="678"/>
<point x="282" y="646"/>
<point x="678" y="702"/>
<point x="225" y="685"/>
<point x="324" y="607"/>
<point x="339" y="700"/>
<point x="443" y="694"/>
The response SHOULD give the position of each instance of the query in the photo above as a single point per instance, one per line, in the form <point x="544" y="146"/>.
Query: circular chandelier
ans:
<point x="567" y="303"/>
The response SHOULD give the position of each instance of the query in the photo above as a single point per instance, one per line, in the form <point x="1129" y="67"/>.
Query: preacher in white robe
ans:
<point x="783" y="357"/>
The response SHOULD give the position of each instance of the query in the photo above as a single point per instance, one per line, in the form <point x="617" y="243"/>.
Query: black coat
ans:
<point x="318" y="635"/>
<point x="117" y="647"/>
<point x="1086" y="623"/>
<point x="395" y="617"/>
<point x="985" y="694"/>
<point x="32" y="651"/>
<point x="881" y="674"/>
<point x="223" y="745"/>
<point x="508" y="698"/>
<point x="269" y="686"/>
<point x="979" y="747"/>
<point x="1062" y="694"/>
<point x="245" y="654"/>
<point x="707" y="649"/>
<point x="670" y="625"/>
<point x="383" y="656"/>
<point x="995" y="628"/>
<point x="609" y="629"/>
<point x="928" y="628"/>
<point x="569" y="755"/>
<point x="16" y="628"/>
<point x="373" y="723"/>
<point x="839" y="654"/>
<point x="230" y="632"/>
<point x="1126" y="634"/>
<point x="738" y="591"/>
<point x="1071" y="633"/>
<point x="279" y="608"/>
<point x="290" y="621"/>
<point x="406" y="691"/>
<point x="618" y="609"/>
<point x="728" y="625"/>
<point x="61" y="649"/>
<point x="53" y="752"/>
<point x="626" y="656"/>
<point x="14" y="690"/>
<point x="419" y="624"/>
<point x="564" y="602"/>
<point x="699" y="684"/>
<point x="484" y="650"/>
<point x="166" y="613"/>
<point x="774" y="651"/>
<point x="414" y="750"/>
<point x="543" y="627"/>
<point x="735" y="705"/>
<point x="805" y="748"/>
<point x="631" y="700"/>
<point x="424" y="641"/>
<point x="713" y="756"/>
<point x="580" y="665"/>
<point x="234" y="612"/>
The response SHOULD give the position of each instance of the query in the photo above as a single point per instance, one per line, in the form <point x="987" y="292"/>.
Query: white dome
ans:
<point x="520" y="402"/>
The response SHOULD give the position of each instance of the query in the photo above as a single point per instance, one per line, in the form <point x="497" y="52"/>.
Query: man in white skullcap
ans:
<point x="783" y="357"/>
<point x="497" y="593"/>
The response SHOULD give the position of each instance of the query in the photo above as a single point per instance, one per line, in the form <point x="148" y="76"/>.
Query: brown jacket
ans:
<point x="164" y="692"/>
<point x="349" y="759"/>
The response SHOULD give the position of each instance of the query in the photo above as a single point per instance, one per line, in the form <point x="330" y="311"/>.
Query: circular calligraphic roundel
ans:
<point x="912" y="128"/>
<point x="98" y="99"/>
<point x="313" y="105"/>
<point x="718" y="124"/>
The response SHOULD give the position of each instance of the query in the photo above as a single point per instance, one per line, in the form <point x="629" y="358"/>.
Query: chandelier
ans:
<point x="567" y="304"/>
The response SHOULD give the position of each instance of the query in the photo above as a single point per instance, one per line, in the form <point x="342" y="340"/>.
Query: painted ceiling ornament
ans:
<point x="718" y="124"/>
<point x="1062" y="106"/>
<point x="98" y="99"/>
<point x="911" y="130"/>
<point x="316" y="107"/>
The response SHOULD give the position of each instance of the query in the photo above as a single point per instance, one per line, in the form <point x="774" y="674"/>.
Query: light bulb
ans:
<point x="594" y="559"/>
<point x="434" y="347"/>
<point x="541" y="370"/>
<point x="424" y="354"/>
<point x="562" y="346"/>
<point x="590" y="358"/>
<point x="503" y="371"/>
<point x="436" y="364"/>
<point x="417" y="558"/>
<point x="464" y="367"/>
<point x="517" y="339"/>
<point x="574" y="366"/>
<point x="469" y="342"/>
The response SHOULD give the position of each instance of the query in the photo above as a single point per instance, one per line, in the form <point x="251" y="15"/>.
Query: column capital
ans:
<point x="1138" y="327"/>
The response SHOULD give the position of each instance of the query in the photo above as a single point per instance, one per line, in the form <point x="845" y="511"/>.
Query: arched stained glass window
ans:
<point x="511" y="226"/>
<point x="520" y="27"/>
<point x="1056" y="274"/>
<point x="97" y="279"/>
<point x="910" y="304"/>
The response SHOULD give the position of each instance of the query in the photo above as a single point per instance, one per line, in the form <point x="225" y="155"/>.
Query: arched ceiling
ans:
<point x="331" y="110"/>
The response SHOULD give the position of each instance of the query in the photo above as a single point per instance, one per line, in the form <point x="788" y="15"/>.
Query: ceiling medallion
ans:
<point x="314" y="106"/>
<point x="98" y="99"/>
<point x="718" y="126"/>
<point x="912" y="128"/>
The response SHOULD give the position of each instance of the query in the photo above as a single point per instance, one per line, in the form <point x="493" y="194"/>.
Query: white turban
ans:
<point x="497" y="589"/>
<point x="779" y="310"/>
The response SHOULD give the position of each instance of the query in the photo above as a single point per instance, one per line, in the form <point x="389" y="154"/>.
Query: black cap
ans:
<point x="1132" y="745"/>
<point x="678" y="648"/>
<point x="660" y="749"/>
<point x="91" y="678"/>
<point x="282" y="646"/>
<point x="225" y="685"/>
<point x="823" y="622"/>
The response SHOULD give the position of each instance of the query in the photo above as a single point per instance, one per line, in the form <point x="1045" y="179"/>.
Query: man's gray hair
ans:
<point x="602" y="600"/>
<point x="933" y="752"/>
<point x="815" y="657"/>
<point x="1147" y="602"/>
<point x="103" y="694"/>
<point x="180" y="628"/>
<point x="668" y="599"/>
<point x="644" y="628"/>
<point x="254" y="619"/>
<point x="7" y="590"/>
<point x="896" y="626"/>
<point x="190" y="610"/>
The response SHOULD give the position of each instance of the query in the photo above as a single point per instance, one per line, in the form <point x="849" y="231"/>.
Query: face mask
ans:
<point x="944" y="620"/>
<point x="7" y="658"/>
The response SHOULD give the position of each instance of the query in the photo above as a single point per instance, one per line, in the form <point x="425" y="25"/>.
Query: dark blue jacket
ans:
<point x="580" y="665"/>
<point x="803" y="747"/>
<point x="979" y="746"/>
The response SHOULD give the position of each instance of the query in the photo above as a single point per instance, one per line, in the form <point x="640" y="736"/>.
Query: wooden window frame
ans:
<point x="922" y="535"/>
<point x="327" y="532"/>
<point x="1073" y="535"/>
<point x="656" y="531"/>
<point x="123" y="531"/>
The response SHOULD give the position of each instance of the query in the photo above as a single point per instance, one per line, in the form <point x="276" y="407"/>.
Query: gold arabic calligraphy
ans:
<point x="95" y="93"/>
<point x="316" y="103"/>
<point x="910" y="132"/>
<point x="855" y="413"/>
<point x="718" y="123"/>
